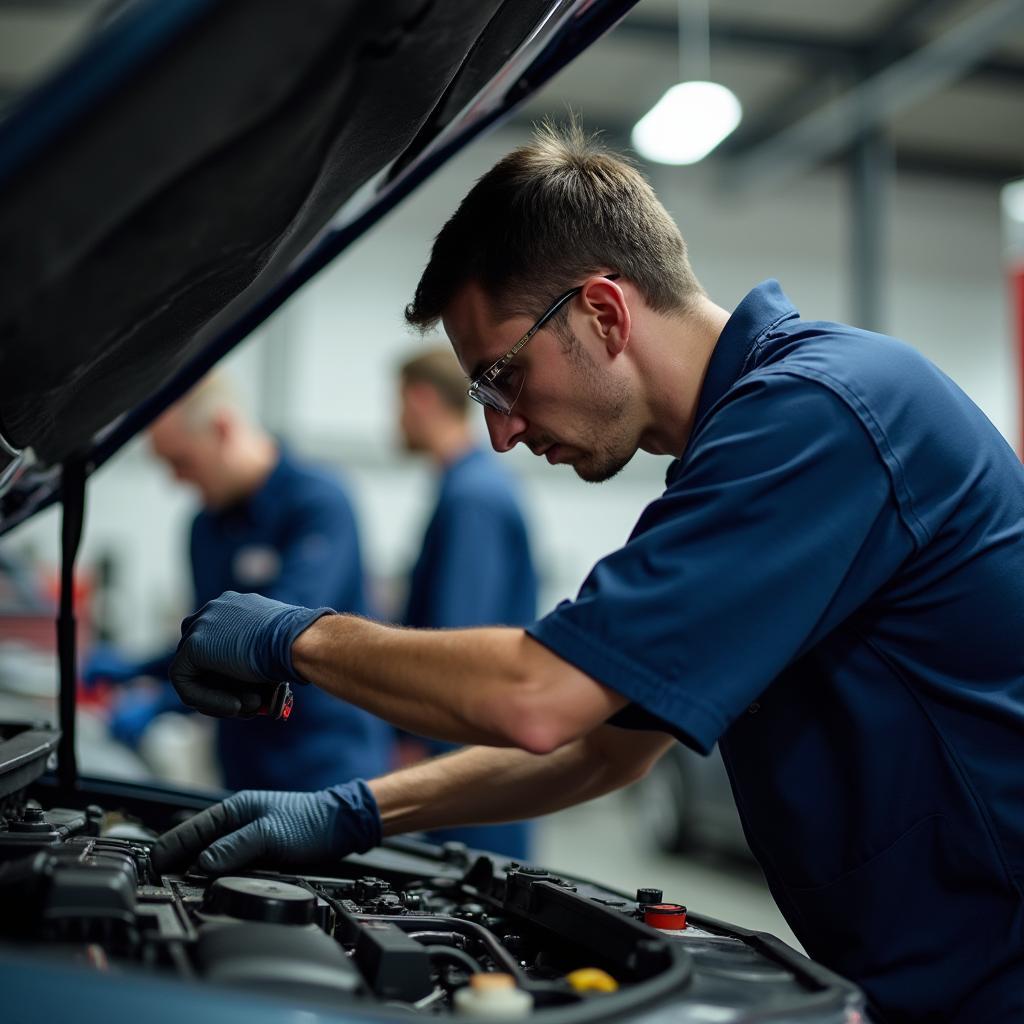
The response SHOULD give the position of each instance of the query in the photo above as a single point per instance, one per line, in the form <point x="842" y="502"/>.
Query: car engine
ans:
<point x="410" y="927"/>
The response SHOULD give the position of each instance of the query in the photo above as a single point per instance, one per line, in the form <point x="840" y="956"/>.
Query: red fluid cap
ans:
<point x="670" y="916"/>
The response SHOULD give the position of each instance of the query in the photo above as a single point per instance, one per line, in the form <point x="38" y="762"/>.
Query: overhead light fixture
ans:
<point x="1013" y="200"/>
<point x="687" y="123"/>
<point x="693" y="117"/>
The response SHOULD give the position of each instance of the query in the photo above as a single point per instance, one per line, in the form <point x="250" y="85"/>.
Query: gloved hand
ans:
<point x="282" y="829"/>
<point x="106" y="665"/>
<point x="235" y="640"/>
<point x="133" y="712"/>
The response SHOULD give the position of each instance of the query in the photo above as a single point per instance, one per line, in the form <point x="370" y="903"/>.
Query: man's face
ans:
<point x="574" y="406"/>
<point x="195" y="455"/>
<point x="410" y="417"/>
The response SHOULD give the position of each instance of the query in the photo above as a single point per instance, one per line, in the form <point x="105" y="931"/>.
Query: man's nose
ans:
<point x="505" y="431"/>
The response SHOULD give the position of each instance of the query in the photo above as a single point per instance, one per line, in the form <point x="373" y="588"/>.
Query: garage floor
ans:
<point x="601" y="841"/>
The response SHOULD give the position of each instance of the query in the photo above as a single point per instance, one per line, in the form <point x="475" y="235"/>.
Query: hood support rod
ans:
<point x="73" y="508"/>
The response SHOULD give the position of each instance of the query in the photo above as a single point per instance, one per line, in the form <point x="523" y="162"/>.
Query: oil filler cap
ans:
<point x="667" y="916"/>
<point x="260" y="899"/>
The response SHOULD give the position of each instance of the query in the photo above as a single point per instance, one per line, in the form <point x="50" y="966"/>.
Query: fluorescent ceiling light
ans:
<point x="687" y="123"/>
<point x="1013" y="200"/>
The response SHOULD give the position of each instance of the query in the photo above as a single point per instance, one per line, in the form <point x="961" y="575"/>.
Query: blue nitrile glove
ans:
<point x="278" y="829"/>
<point x="133" y="712"/>
<point x="106" y="665"/>
<point x="235" y="640"/>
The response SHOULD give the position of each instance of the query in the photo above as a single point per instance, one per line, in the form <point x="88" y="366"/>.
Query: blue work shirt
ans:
<point x="475" y="569"/>
<point x="475" y="566"/>
<point x="832" y="585"/>
<point x="295" y="540"/>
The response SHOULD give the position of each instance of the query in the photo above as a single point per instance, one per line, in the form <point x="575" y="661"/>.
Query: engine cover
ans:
<point x="410" y="926"/>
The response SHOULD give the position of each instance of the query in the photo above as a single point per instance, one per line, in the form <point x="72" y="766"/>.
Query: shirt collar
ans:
<point x="761" y="309"/>
<point x="264" y="499"/>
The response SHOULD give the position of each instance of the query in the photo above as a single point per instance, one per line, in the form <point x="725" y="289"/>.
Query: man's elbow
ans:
<point x="540" y="719"/>
<point x="540" y="735"/>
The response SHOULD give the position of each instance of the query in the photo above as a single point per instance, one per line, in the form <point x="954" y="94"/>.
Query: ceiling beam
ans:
<point x="876" y="100"/>
<point x="814" y="47"/>
<point x="957" y="166"/>
<point x="816" y="50"/>
<point x="781" y="110"/>
<point x="891" y="36"/>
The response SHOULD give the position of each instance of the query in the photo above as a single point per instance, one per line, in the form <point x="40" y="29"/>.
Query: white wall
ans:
<point x="946" y="293"/>
<point x="323" y="371"/>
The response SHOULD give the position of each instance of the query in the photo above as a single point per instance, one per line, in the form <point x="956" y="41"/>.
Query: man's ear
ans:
<point x="605" y="304"/>
<point x="222" y="424"/>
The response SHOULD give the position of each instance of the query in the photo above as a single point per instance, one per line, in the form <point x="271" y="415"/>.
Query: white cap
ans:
<point x="493" y="996"/>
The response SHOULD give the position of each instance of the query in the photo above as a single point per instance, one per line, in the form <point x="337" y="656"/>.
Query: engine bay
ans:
<point x="410" y="927"/>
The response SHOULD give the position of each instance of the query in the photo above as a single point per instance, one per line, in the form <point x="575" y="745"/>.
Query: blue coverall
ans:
<point x="832" y="587"/>
<point x="294" y="540"/>
<point x="475" y="569"/>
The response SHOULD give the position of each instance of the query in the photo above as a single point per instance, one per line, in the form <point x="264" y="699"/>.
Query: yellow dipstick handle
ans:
<point x="592" y="979"/>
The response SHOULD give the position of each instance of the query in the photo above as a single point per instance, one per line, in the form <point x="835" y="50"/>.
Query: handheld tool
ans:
<point x="278" y="701"/>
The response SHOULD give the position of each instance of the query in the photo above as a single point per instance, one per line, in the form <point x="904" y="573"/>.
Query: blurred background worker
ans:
<point x="475" y="567"/>
<point x="269" y="525"/>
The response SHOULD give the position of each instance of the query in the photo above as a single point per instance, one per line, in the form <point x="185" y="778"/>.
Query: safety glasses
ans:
<point x="501" y="384"/>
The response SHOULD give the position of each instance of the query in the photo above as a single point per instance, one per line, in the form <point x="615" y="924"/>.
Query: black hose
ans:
<point x="455" y="955"/>
<point x="470" y="929"/>
<point x="434" y="938"/>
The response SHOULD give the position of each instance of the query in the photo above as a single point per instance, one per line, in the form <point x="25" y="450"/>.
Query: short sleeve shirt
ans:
<point x="475" y="567"/>
<point x="831" y="586"/>
<point x="294" y="540"/>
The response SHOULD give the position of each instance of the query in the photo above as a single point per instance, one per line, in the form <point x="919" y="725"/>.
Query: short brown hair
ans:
<point x="544" y="218"/>
<point x="440" y="369"/>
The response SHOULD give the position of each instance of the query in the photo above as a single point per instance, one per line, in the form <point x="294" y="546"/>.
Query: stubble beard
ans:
<point x="608" y="445"/>
<point x="602" y="462"/>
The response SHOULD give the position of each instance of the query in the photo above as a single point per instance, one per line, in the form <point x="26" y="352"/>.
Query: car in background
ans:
<point x="163" y="191"/>
<point x="685" y="804"/>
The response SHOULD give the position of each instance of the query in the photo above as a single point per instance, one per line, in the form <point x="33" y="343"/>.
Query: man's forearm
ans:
<point x="491" y="686"/>
<point x="479" y="785"/>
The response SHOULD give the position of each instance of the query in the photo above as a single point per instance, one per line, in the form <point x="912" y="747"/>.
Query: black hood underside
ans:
<point x="156" y="227"/>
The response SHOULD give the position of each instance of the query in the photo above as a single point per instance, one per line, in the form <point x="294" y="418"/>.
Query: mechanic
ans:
<point x="831" y="586"/>
<point x="475" y="567"/>
<point x="274" y="526"/>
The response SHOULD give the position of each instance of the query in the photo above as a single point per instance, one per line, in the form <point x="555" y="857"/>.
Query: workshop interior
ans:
<point x="248" y="190"/>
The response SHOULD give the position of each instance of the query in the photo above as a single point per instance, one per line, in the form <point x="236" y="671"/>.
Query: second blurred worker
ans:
<point x="274" y="526"/>
<point x="475" y="566"/>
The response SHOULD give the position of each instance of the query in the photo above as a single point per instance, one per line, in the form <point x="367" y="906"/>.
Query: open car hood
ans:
<point x="172" y="184"/>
